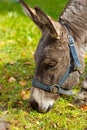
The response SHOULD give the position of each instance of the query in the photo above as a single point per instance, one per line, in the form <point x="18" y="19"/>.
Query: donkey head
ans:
<point x="51" y="57"/>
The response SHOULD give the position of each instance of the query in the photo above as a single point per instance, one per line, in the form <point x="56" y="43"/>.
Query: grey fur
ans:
<point x="52" y="55"/>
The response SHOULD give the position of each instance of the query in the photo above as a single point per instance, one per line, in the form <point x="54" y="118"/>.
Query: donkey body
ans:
<point x="53" y="56"/>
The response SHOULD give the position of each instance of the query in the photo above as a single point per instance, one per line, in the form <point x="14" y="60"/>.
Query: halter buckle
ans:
<point x="54" y="89"/>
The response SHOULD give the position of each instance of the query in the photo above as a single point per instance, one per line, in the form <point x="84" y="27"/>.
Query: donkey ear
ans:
<point x="40" y="19"/>
<point x="29" y="11"/>
<point x="46" y="21"/>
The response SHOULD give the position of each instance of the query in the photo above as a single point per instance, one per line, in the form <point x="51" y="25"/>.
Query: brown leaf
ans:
<point x="84" y="107"/>
<point x="23" y="82"/>
<point x="27" y="63"/>
<point x="11" y="79"/>
<point x="1" y="87"/>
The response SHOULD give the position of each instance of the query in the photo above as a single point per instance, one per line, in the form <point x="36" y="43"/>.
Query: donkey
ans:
<point x="59" y="56"/>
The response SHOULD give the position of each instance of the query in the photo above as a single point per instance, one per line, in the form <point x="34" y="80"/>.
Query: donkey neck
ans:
<point x="75" y="16"/>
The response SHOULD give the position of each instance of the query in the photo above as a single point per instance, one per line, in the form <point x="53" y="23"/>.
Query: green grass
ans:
<point x="18" y="40"/>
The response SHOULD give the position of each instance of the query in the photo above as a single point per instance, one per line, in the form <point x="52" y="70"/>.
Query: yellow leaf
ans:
<point x="23" y="82"/>
<point x="23" y="54"/>
<point x="70" y="105"/>
<point x="25" y="94"/>
<point x="27" y="63"/>
<point x="85" y="56"/>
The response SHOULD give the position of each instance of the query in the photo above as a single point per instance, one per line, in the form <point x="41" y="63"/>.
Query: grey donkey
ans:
<point x="59" y="56"/>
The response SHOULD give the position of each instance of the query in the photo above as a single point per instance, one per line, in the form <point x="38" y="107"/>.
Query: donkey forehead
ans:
<point x="47" y="44"/>
<point x="50" y="48"/>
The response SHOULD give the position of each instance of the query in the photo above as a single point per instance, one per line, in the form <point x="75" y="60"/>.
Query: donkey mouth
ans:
<point x="42" y="101"/>
<point x="38" y="108"/>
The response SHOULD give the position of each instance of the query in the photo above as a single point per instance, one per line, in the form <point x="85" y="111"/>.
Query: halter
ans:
<point x="57" y="88"/>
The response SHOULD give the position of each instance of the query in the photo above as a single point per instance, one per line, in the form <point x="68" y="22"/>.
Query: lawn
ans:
<point x="18" y="40"/>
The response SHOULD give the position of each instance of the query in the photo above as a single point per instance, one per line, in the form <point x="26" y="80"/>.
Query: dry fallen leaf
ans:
<point x="25" y="94"/>
<point x="27" y="63"/>
<point x="23" y="82"/>
<point x="11" y="79"/>
<point x="84" y="107"/>
<point x="12" y="63"/>
<point x="70" y="105"/>
<point x="1" y="87"/>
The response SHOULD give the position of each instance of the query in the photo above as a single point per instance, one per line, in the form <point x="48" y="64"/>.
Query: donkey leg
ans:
<point x="82" y="95"/>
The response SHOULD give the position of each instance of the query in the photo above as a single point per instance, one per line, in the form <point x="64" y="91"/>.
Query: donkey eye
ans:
<point x="52" y="64"/>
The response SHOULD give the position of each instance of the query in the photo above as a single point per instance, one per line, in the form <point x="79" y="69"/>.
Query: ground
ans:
<point x="18" y="40"/>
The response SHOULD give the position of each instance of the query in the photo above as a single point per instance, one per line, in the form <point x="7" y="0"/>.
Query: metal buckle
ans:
<point x="71" y="40"/>
<point x="54" y="88"/>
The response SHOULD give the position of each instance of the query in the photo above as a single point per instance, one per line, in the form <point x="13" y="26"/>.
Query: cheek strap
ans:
<point x="56" y="88"/>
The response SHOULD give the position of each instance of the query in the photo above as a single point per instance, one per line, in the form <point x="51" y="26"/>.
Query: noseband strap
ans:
<point x="53" y="89"/>
<point x="57" y="88"/>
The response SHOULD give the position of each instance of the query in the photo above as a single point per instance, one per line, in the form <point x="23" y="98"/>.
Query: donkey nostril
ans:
<point x="34" y="105"/>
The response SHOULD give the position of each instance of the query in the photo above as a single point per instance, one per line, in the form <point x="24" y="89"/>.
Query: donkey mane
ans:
<point x="75" y="15"/>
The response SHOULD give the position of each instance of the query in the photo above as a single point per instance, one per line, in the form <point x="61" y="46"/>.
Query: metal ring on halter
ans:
<point x="55" y="88"/>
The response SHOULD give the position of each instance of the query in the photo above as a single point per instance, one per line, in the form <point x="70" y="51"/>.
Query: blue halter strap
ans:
<point x="57" y="88"/>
